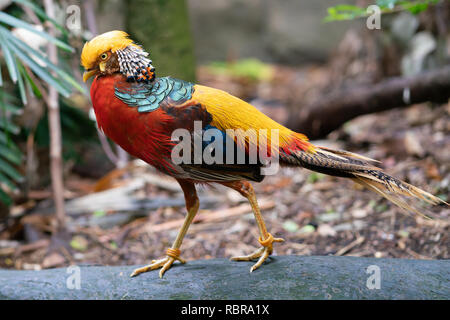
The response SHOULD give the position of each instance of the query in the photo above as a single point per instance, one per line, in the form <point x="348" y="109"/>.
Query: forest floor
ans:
<point x="314" y="213"/>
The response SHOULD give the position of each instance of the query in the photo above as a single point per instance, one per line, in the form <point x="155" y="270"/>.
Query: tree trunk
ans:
<point x="162" y="28"/>
<point x="330" y="112"/>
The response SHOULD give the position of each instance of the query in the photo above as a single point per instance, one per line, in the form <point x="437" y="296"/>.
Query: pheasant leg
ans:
<point x="173" y="253"/>
<point x="266" y="239"/>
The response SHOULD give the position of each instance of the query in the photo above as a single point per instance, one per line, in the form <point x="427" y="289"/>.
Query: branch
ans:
<point x="330" y="112"/>
<point x="55" y="130"/>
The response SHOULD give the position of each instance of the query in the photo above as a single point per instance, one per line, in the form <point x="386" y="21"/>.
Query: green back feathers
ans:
<point x="148" y="97"/>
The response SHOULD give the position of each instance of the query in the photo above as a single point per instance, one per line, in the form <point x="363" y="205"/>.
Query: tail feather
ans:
<point x="360" y="170"/>
<point x="347" y="154"/>
<point x="394" y="194"/>
<point x="396" y="186"/>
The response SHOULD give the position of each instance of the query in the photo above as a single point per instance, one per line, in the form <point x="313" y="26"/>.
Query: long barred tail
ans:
<point x="359" y="169"/>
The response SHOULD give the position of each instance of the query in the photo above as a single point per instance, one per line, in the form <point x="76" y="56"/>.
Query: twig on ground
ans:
<point x="350" y="246"/>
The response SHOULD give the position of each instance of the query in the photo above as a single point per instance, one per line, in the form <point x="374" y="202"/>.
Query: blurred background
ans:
<point x="378" y="85"/>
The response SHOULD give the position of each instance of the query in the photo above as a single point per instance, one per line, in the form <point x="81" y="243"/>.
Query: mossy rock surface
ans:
<point x="283" y="277"/>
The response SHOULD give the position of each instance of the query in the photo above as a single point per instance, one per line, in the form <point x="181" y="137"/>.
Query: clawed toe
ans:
<point x="261" y="254"/>
<point x="164" y="263"/>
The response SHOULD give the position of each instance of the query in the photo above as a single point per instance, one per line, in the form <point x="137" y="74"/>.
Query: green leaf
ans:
<point x="315" y="176"/>
<point x="9" y="126"/>
<point x="14" y="22"/>
<point x="23" y="94"/>
<point x="41" y="14"/>
<point x="381" y="208"/>
<point x="113" y="245"/>
<point x="11" y="145"/>
<point x="350" y="12"/>
<point x="4" y="198"/>
<point x="9" y="59"/>
<point x="69" y="123"/>
<point x="253" y="69"/>
<point x="3" y="137"/>
<point x="11" y="108"/>
<point x="99" y="213"/>
<point x="64" y="75"/>
<point x="350" y="9"/>
<point x="7" y="169"/>
<point x="41" y="72"/>
<point x="10" y="154"/>
<point x="403" y="233"/>
<point x="290" y="226"/>
<point x="386" y="4"/>
<point x="30" y="82"/>
<point x="79" y="243"/>
<point x="6" y="140"/>
<point x="344" y="12"/>
<point x="307" y="229"/>
<point x="415" y="8"/>
<point x="68" y="78"/>
<point x="7" y="182"/>
<point x="5" y="121"/>
<point x="9" y="97"/>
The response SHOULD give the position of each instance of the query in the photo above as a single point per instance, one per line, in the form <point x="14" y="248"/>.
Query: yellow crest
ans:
<point x="109" y="41"/>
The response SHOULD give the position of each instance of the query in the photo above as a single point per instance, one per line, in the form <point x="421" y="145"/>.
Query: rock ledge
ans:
<point x="283" y="277"/>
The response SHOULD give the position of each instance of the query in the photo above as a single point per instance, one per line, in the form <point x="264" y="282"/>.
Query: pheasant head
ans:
<point x="113" y="52"/>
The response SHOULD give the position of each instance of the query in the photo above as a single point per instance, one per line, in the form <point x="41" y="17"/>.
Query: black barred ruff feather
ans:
<point x="135" y="65"/>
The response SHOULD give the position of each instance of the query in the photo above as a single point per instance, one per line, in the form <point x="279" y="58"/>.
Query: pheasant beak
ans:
<point x="89" y="73"/>
<point x="102" y="66"/>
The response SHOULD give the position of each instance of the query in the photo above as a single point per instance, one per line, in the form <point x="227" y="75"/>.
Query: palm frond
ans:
<point x="27" y="67"/>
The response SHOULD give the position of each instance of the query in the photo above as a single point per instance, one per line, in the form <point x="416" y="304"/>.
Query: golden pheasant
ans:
<point x="198" y="134"/>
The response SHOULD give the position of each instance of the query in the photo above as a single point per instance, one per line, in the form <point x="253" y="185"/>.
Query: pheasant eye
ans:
<point x="104" y="56"/>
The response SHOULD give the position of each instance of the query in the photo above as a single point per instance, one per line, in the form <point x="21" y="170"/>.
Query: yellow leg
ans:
<point x="173" y="253"/>
<point x="266" y="239"/>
